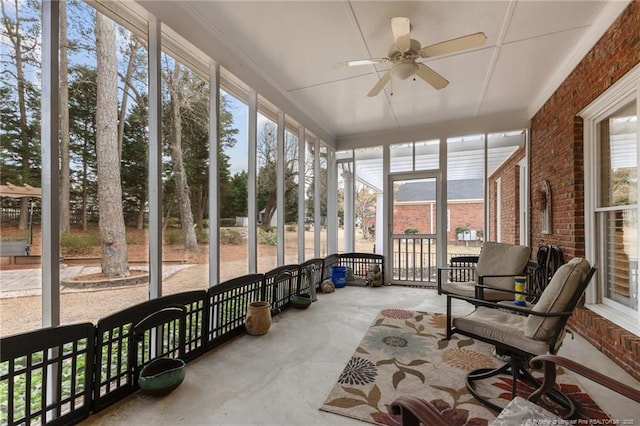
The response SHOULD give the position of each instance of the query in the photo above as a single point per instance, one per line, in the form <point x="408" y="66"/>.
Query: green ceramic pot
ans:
<point x="161" y="376"/>
<point x="301" y="301"/>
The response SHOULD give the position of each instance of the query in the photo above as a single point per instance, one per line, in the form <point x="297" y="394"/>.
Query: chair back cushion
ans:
<point x="556" y="298"/>
<point x="502" y="259"/>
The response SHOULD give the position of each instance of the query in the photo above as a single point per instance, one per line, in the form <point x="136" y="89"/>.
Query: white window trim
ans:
<point x="523" y="201"/>
<point x="499" y="210"/>
<point x="622" y="92"/>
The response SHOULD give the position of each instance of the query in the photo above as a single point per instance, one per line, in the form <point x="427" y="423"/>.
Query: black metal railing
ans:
<point x="114" y="378"/>
<point x="60" y="375"/>
<point x="227" y="304"/>
<point x="46" y="375"/>
<point x="414" y="258"/>
<point x="280" y="284"/>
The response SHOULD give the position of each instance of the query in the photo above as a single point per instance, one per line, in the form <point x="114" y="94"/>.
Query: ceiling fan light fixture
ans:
<point x="404" y="70"/>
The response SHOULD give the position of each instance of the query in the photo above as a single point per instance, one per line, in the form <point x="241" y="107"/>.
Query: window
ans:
<point x="611" y="200"/>
<point x="617" y="207"/>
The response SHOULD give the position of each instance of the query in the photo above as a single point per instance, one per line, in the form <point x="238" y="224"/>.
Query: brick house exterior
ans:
<point x="415" y="207"/>
<point x="557" y="156"/>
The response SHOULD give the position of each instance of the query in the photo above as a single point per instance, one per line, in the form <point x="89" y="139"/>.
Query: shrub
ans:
<point x="76" y="244"/>
<point x="227" y="222"/>
<point x="173" y="237"/>
<point x="411" y="230"/>
<point x="202" y="236"/>
<point x="231" y="236"/>
<point x="291" y="228"/>
<point x="132" y="239"/>
<point x="268" y="238"/>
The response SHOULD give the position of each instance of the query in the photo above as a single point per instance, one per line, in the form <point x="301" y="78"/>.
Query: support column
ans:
<point x="252" y="206"/>
<point x="332" y="202"/>
<point x="155" y="160"/>
<point x="49" y="129"/>
<point x="379" y="223"/>
<point x="349" y="217"/>
<point x="301" y="188"/>
<point x="317" y="189"/>
<point x="214" y="197"/>
<point x="280" y="207"/>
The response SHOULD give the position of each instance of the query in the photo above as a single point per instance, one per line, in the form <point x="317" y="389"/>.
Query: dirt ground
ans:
<point x="20" y="314"/>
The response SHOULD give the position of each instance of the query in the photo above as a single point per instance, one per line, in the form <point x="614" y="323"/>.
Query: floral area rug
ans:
<point x="404" y="353"/>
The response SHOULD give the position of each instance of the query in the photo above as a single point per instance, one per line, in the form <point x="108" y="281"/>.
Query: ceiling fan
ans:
<point x="405" y="52"/>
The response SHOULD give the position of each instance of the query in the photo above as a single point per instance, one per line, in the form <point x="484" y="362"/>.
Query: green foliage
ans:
<point x="231" y="236"/>
<point x="268" y="238"/>
<point x="235" y="203"/>
<point x="227" y="222"/>
<point x="411" y="230"/>
<point x="77" y="244"/>
<point x="462" y="229"/>
<point x="202" y="236"/>
<point x="173" y="237"/>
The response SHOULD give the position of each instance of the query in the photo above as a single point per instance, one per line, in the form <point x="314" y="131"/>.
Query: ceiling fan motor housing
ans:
<point x="396" y="55"/>
<point x="405" y="69"/>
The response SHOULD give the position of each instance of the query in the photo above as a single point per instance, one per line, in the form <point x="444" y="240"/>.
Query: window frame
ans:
<point x="624" y="91"/>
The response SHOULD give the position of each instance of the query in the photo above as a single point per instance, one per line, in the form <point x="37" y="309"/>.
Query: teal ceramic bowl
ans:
<point x="161" y="376"/>
<point x="301" y="301"/>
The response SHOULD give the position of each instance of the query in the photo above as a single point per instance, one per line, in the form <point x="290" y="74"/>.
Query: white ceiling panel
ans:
<point x="536" y="18"/>
<point x="523" y="67"/>
<point x="288" y="49"/>
<point x="349" y="113"/>
<point x="296" y="43"/>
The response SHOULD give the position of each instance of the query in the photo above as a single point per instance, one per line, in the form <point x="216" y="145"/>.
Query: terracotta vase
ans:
<point x="258" y="319"/>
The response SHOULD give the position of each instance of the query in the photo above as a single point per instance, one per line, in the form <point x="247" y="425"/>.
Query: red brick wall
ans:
<point x="615" y="342"/>
<point x="557" y="155"/>
<point x="509" y="173"/>
<point x="465" y="214"/>
<point x="419" y="216"/>
<point x="413" y="216"/>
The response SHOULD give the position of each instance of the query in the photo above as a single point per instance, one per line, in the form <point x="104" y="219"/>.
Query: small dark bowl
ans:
<point x="161" y="376"/>
<point x="301" y="301"/>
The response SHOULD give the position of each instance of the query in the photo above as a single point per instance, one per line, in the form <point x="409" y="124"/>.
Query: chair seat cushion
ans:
<point x="500" y="327"/>
<point x="469" y="290"/>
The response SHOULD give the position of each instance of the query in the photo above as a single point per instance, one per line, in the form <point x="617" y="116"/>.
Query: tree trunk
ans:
<point x="140" y="220"/>
<point x="85" y="183"/>
<point x="65" y="173"/>
<point x="15" y="38"/>
<point x="165" y="224"/>
<point x="200" y="209"/>
<point x="269" y="211"/>
<point x="179" y="171"/>
<point x="111" y="223"/>
<point x="126" y="82"/>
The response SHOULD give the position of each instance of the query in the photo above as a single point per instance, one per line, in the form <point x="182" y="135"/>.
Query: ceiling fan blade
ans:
<point x="454" y="45"/>
<point x="379" y="85"/>
<point x="401" y="28"/>
<point x="360" y="62"/>
<point x="430" y="76"/>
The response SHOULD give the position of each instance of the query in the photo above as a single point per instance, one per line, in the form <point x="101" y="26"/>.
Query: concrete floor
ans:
<point x="281" y="378"/>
